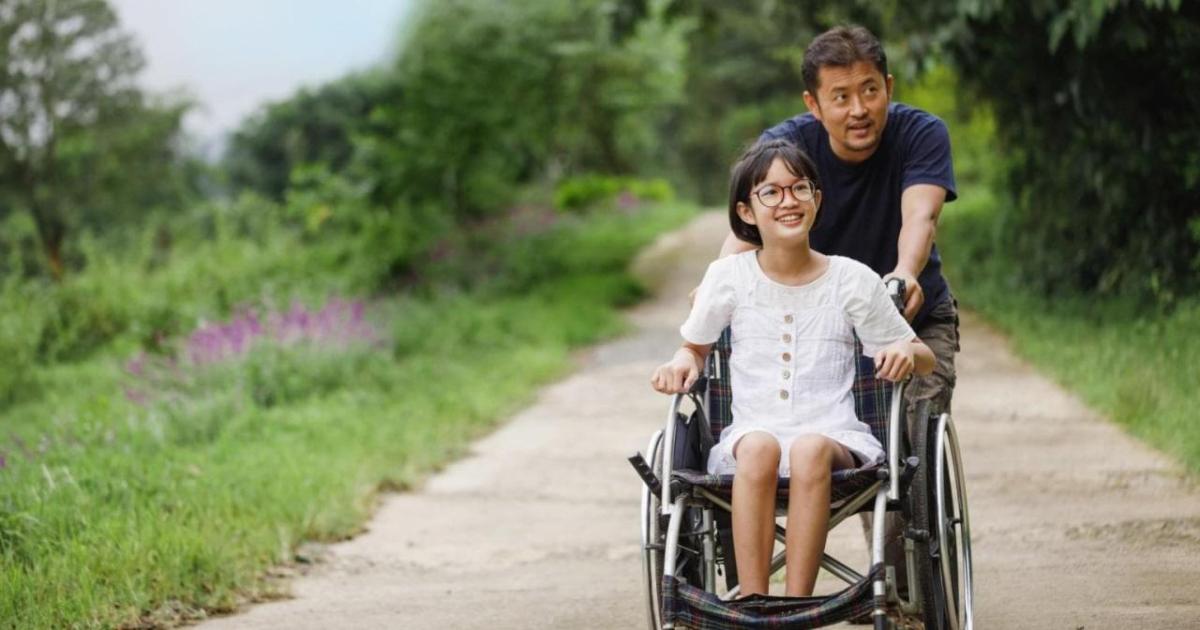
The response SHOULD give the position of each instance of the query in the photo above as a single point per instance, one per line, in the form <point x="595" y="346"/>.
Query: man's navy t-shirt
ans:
<point x="860" y="207"/>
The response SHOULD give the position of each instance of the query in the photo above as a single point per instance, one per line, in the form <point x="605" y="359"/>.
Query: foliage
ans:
<point x="1077" y="339"/>
<point x="373" y="247"/>
<point x="575" y="193"/>
<point x="423" y="186"/>
<point x="1102" y="164"/>
<point x="270" y="424"/>
<point x="1134" y="366"/>
<point x="483" y="97"/>
<point x="313" y="127"/>
<point x="743" y="75"/>
<point x="75" y="126"/>
<point x="622" y="87"/>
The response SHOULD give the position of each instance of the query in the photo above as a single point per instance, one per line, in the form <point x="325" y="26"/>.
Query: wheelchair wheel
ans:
<point x="652" y="540"/>
<point x="939" y="501"/>
<point x="689" y="564"/>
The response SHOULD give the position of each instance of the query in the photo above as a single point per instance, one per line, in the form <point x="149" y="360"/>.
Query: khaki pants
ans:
<point x="940" y="333"/>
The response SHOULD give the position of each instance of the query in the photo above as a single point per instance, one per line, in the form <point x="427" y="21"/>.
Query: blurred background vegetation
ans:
<point x="481" y="193"/>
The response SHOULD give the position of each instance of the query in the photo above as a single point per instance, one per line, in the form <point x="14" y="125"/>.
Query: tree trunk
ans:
<point x="51" y="233"/>
<point x="54" y="256"/>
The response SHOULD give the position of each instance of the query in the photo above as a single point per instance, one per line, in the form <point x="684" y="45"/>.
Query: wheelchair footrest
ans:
<point x="698" y="609"/>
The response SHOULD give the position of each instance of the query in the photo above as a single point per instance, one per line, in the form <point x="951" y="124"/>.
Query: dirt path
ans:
<point x="1075" y="524"/>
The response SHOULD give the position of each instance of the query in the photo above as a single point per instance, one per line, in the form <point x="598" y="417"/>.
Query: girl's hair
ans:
<point x="751" y="169"/>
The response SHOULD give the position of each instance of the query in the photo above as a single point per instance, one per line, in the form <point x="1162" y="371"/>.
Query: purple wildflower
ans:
<point x="137" y="365"/>
<point x="627" y="200"/>
<point x="339" y="324"/>
<point x="136" y="397"/>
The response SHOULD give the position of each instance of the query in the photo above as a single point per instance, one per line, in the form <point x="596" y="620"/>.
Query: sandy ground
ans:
<point x="1075" y="525"/>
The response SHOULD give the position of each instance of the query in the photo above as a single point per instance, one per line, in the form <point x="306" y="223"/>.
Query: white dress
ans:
<point x="793" y="360"/>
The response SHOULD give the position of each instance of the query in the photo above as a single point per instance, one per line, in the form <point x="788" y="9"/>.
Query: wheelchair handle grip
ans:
<point x="897" y="290"/>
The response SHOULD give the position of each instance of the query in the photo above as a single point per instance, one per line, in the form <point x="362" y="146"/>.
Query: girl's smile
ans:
<point x="791" y="218"/>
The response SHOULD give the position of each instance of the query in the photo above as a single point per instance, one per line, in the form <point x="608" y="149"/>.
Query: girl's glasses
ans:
<point x="772" y="195"/>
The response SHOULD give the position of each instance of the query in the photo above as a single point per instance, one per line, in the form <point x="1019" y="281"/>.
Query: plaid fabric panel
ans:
<point x="720" y="394"/>
<point x="694" y="608"/>
<point x="871" y="396"/>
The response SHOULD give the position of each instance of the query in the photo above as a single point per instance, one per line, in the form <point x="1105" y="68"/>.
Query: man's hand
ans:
<point x="895" y="362"/>
<point x="914" y="297"/>
<point x="677" y="375"/>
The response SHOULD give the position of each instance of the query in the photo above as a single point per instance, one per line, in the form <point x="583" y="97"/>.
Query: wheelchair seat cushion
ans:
<point x="846" y="483"/>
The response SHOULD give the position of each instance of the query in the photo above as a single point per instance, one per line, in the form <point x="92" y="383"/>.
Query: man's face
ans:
<point x="851" y="104"/>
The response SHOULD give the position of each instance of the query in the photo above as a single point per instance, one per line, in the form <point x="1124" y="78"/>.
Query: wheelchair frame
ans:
<point x="667" y="501"/>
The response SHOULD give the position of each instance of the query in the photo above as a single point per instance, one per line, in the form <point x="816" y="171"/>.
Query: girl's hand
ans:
<point x="895" y="362"/>
<point x="677" y="375"/>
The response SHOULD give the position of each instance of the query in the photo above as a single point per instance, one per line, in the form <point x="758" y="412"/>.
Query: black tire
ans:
<point x="653" y="560"/>
<point x="943" y="553"/>
<point x="925" y="520"/>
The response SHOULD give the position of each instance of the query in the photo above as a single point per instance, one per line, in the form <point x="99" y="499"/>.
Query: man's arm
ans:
<point x="735" y="245"/>
<point x="920" y="206"/>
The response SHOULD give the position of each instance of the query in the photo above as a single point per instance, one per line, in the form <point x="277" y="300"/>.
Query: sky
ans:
<point x="234" y="55"/>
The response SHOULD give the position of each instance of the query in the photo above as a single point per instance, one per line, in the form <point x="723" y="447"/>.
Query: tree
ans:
<point x="80" y="144"/>
<point x="314" y="126"/>
<point x="497" y="94"/>
<point x="743" y="75"/>
<point x="1095" y="105"/>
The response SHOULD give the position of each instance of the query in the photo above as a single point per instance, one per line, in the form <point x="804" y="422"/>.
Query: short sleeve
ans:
<point x="800" y="130"/>
<point x="876" y="320"/>
<point x="713" y="308"/>
<point x="928" y="159"/>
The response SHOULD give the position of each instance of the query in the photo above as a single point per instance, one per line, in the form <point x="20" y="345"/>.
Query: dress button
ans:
<point x="787" y="319"/>
<point x="787" y="374"/>
<point x="787" y="356"/>
<point x="783" y="393"/>
<point x="787" y="338"/>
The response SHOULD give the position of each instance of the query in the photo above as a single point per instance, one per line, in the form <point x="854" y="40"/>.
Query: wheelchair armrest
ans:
<point x="642" y="468"/>
<point x="895" y="438"/>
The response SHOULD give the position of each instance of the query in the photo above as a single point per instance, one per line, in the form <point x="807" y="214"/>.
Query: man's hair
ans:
<point x="841" y="46"/>
<point x="752" y="168"/>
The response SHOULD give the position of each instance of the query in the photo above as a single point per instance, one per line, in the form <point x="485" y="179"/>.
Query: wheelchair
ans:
<point x="686" y="533"/>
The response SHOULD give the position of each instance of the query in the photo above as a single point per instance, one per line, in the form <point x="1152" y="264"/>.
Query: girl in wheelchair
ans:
<point x="794" y="313"/>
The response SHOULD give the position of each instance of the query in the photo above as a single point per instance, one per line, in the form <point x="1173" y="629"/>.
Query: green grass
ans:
<point x="117" y="513"/>
<point x="1130" y="361"/>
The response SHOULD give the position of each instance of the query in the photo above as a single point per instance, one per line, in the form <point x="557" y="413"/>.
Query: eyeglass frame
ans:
<point x="812" y="192"/>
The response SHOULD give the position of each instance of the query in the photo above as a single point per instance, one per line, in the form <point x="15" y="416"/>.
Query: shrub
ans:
<point x="580" y="192"/>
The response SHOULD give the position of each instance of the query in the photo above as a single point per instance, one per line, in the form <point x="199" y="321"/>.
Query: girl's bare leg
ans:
<point x="812" y="458"/>
<point x="754" y="483"/>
